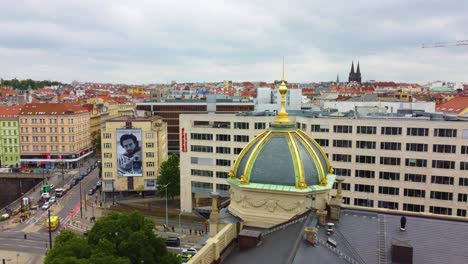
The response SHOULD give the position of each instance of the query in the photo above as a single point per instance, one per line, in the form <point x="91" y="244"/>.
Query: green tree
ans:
<point x="117" y="238"/>
<point x="169" y="173"/>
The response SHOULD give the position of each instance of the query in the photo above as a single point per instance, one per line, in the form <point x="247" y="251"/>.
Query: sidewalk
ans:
<point x="21" y="257"/>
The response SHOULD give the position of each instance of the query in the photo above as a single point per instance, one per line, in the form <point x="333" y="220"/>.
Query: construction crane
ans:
<point x="445" y="44"/>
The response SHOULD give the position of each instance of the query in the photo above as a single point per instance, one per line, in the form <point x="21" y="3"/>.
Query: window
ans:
<point x="464" y="149"/>
<point x="365" y="144"/>
<point x="201" y="136"/>
<point x="390" y="161"/>
<point x="440" y="210"/>
<point x="150" y="164"/>
<point x="322" y="142"/>
<point x="363" y="202"/>
<point x="393" y="176"/>
<point x="260" y="125"/>
<point x="223" y="162"/>
<point x="223" y="150"/>
<point x="415" y="177"/>
<point x="364" y="174"/>
<point x="463" y="181"/>
<point x="149" y="145"/>
<point x="198" y="148"/>
<point x="201" y="161"/>
<point x="417" y="132"/>
<point x="413" y="207"/>
<point x="150" y="174"/>
<point x="343" y="129"/>
<point x="237" y="150"/>
<point x="108" y="155"/>
<point x="417" y="147"/>
<point x="442" y="180"/>
<point x="365" y="159"/>
<point x="444" y="148"/>
<point x="415" y="193"/>
<point x="222" y="187"/>
<point x="107" y="145"/>
<point x="221" y="174"/>
<point x="320" y="128"/>
<point x="443" y="164"/>
<point x="346" y="186"/>
<point x="389" y="190"/>
<point x="241" y="138"/>
<point x="107" y="174"/>
<point x="241" y="125"/>
<point x="461" y="212"/>
<point x="445" y="132"/>
<point x="416" y="162"/>
<point x="202" y="186"/>
<point x="149" y="135"/>
<point x="108" y="165"/>
<point x="149" y="154"/>
<point x="388" y="205"/>
<point x="391" y="130"/>
<point x="223" y="137"/>
<point x="341" y="157"/>
<point x="447" y="196"/>
<point x="363" y="188"/>
<point x="390" y="145"/>
<point x="342" y="143"/>
<point x="203" y="173"/>
<point x="107" y="135"/>
<point x="366" y="130"/>
<point x="463" y="197"/>
<point x="342" y="172"/>
<point x="463" y="165"/>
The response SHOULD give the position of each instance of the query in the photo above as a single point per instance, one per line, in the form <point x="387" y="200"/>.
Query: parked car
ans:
<point x="27" y="171"/>
<point x="88" y="171"/>
<point x="173" y="242"/>
<point x="52" y="199"/>
<point x="74" y="182"/>
<point x="98" y="184"/>
<point x="91" y="191"/>
<point x="191" y="251"/>
<point x="45" y="195"/>
<point x="82" y="175"/>
<point x="46" y="206"/>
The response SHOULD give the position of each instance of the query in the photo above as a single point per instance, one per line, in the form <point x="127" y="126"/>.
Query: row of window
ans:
<point x="109" y="174"/>
<point x="109" y="135"/>
<point x="219" y="137"/>
<point x="9" y="132"/>
<point x="410" y="131"/>
<point x="209" y="186"/>
<point x="406" y="206"/>
<point x="415" y="147"/>
<point x="8" y="123"/>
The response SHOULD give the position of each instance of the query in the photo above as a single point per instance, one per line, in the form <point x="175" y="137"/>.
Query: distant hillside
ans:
<point x="25" y="84"/>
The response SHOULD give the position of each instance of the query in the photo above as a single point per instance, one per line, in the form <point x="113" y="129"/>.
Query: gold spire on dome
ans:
<point x="283" y="89"/>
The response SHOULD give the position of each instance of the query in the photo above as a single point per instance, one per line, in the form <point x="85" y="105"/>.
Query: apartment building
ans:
<point x="133" y="149"/>
<point x="52" y="134"/>
<point x="9" y="136"/>
<point x="170" y="111"/>
<point x="389" y="163"/>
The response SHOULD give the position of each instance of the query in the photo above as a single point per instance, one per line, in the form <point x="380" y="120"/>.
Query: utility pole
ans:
<point x="113" y="194"/>
<point x="165" y="186"/>
<point x="81" y="206"/>
<point x="50" y="233"/>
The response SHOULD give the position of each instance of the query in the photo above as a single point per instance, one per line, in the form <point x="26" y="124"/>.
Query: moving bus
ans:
<point x="54" y="223"/>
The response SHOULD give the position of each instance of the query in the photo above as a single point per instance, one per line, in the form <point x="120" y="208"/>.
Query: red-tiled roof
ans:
<point x="9" y="112"/>
<point x="454" y="106"/>
<point x="52" y="109"/>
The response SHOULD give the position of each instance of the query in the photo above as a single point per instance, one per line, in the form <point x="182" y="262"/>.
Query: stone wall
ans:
<point x="214" y="246"/>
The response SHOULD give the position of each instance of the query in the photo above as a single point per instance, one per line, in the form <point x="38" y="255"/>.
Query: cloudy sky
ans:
<point x="156" y="41"/>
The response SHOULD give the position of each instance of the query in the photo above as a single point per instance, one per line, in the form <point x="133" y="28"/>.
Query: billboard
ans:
<point x="129" y="154"/>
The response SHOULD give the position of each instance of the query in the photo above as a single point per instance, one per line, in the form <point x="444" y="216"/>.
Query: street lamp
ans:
<point x="165" y="186"/>
<point x="81" y="207"/>
<point x="181" y="212"/>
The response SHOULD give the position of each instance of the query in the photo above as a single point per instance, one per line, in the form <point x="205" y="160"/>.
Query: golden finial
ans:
<point x="244" y="180"/>
<point x="283" y="89"/>
<point x="231" y="174"/>
<point x="324" y="181"/>
<point x="302" y="185"/>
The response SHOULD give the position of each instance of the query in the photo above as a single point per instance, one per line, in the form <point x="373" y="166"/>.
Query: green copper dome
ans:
<point x="282" y="156"/>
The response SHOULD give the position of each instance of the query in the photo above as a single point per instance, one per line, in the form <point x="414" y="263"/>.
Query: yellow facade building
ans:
<point x="51" y="134"/>
<point x="133" y="149"/>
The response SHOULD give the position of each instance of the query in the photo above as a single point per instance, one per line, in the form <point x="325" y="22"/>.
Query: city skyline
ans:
<point x="156" y="42"/>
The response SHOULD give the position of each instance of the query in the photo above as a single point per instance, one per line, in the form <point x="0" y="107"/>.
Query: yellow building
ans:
<point x="54" y="133"/>
<point x="133" y="149"/>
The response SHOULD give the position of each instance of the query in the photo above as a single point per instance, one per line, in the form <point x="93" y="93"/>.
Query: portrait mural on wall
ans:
<point x="129" y="154"/>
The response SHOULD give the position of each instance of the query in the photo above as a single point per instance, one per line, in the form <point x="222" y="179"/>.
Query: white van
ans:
<point x="45" y="195"/>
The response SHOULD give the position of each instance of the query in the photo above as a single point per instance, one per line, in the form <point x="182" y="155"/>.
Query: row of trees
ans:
<point x="117" y="238"/>
<point x="25" y="84"/>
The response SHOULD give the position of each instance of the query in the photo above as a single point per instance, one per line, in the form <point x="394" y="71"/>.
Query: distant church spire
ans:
<point x="337" y="78"/>
<point x="354" y="76"/>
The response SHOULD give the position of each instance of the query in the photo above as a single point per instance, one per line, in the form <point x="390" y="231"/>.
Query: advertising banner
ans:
<point x="129" y="154"/>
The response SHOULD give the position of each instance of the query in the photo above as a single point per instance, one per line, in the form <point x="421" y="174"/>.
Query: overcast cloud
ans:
<point x="158" y="41"/>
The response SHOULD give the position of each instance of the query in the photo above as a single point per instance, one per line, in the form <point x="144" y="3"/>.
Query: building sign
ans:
<point x="150" y="184"/>
<point x="183" y="143"/>
<point x="129" y="155"/>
